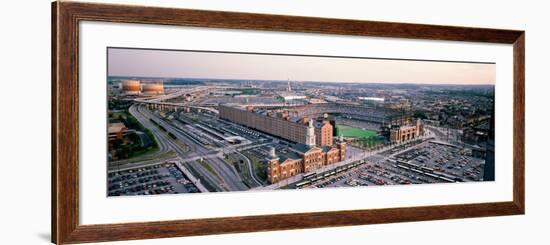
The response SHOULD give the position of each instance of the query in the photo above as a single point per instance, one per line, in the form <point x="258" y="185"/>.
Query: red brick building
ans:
<point x="303" y="159"/>
<point x="279" y="123"/>
<point x="323" y="132"/>
<point x="402" y="133"/>
<point x="116" y="131"/>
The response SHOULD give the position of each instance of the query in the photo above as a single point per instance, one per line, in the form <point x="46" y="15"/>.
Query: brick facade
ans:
<point x="404" y="133"/>
<point x="278" y="125"/>
<point x="310" y="160"/>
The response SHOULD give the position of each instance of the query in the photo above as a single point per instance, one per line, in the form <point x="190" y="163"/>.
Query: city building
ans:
<point x="324" y="131"/>
<point x="477" y="134"/>
<point x="397" y="103"/>
<point x="374" y="99"/>
<point x="489" y="168"/>
<point x="116" y="131"/>
<point x="302" y="159"/>
<point x="290" y="96"/>
<point x="280" y="123"/>
<point x="400" y="133"/>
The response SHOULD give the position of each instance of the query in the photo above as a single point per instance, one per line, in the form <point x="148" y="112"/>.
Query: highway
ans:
<point x="229" y="149"/>
<point x="163" y="146"/>
<point x="227" y="172"/>
<point x="160" y="100"/>
<point x="151" y="158"/>
<point x="143" y="116"/>
<point x="225" y="175"/>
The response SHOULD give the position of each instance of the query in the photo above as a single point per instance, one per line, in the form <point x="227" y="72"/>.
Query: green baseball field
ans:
<point x="348" y="131"/>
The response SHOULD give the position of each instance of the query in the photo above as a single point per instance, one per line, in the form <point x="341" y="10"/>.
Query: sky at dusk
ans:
<point x="187" y="64"/>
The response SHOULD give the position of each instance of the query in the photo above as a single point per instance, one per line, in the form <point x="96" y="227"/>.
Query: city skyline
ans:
<point x="126" y="62"/>
<point x="198" y="122"/>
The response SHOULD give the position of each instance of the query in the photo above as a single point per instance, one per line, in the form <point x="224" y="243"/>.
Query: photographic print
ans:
<point x="184" y="121"/>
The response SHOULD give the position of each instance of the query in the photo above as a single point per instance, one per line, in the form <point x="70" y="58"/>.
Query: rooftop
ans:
<point x="288" y="155"/>
<point x="301" y="147"/>
<point x="116" y="127"/>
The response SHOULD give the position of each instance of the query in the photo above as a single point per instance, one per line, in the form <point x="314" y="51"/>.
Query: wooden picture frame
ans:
<point x="65" y="121"/>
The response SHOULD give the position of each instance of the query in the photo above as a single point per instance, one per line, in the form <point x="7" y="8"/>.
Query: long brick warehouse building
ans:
<point x="280" y="124"/>
<point x="314" y="146"/>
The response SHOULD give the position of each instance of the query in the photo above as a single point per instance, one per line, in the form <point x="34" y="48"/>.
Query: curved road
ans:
<point x="206" y="176"/>
<point x="150" y="158"/>
<point x="250" y="168"/>
<point x="227" y="176"/>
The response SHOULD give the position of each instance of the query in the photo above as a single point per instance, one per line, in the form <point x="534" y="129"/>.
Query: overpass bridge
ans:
<point x="159" y="102"/>
<point x="176" y="106"/>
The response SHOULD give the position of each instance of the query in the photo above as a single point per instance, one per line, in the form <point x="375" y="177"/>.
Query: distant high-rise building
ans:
<point x="288" y="88"/>
<point x="489" y="169"/>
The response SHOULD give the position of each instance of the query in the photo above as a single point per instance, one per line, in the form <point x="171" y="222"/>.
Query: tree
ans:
<point x="419" y="114"/>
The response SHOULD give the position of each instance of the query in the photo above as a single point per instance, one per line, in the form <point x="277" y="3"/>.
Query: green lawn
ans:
<point x="364" y="138"/>
<point x="206" y="165"/>
<point x="348" y="131"/>
<point x="259" y="165"/>
<point x="133" y="152"/>
<point x="249" y="91"/>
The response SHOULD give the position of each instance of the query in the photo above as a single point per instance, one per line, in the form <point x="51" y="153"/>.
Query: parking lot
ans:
<point x="401" y="147"/>
<point x="372" y="174"/>
<point x="156" y="179"/>
<point x="431" y="162"/>
<point x="445" y="158"/>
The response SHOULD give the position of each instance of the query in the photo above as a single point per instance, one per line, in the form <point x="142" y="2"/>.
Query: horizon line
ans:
<point x="307" y="81"/>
